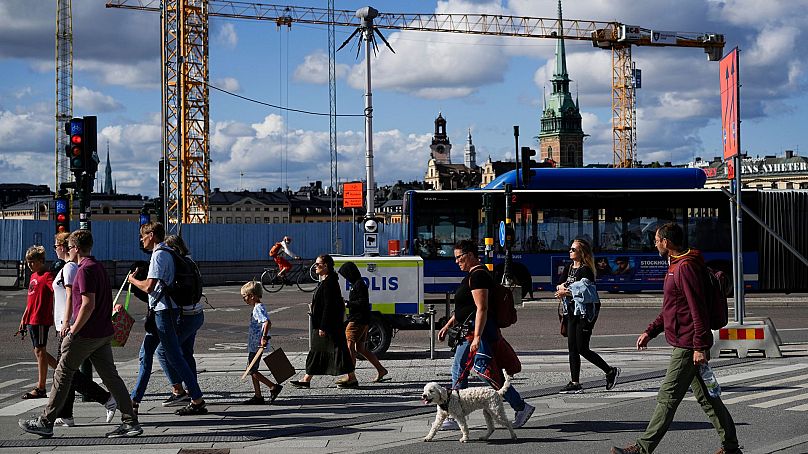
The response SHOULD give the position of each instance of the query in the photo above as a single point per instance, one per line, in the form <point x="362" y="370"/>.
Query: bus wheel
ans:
<point x="379" y="336"/>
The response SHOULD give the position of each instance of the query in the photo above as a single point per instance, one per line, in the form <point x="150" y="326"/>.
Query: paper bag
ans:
<point x="279" y="365"/>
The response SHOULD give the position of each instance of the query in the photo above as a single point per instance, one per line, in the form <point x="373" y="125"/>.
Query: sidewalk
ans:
<point x="324" y="418"/>
<point x="546" y="299"/>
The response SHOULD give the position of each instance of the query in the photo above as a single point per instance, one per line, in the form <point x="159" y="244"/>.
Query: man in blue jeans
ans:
<point x="166" y="316"/>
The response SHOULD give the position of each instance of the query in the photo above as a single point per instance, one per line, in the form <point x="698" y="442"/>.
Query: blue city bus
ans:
<point x="616" y="210"/>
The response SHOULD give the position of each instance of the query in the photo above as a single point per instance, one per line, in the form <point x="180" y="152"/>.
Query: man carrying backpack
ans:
<point x="685" y="320"/>
<point x="157" y="284"/>
<point x="276" y="252"/>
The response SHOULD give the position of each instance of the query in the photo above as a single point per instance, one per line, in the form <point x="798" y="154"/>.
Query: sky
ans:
<point x="483" y="84"/>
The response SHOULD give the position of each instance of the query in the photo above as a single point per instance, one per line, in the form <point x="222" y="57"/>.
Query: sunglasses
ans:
<point x="572" y="249"/>
<point x="458" y="257"/>
<point x="72" y="247"/>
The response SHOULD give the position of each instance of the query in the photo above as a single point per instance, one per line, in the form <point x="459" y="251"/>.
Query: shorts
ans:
<point x="283" y="264"/>
<point x="356" y="332"/>
<point x="39" y="335"/>
<point x="250" y="357"/>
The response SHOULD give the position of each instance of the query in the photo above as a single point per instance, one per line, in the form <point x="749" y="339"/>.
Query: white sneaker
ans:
<point x="112" y="406"/>
<point x="64" y="422"/>
<point x="449" y="424"/>
<point x="523" y="415"/>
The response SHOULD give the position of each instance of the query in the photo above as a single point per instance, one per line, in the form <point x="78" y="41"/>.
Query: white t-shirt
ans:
<point x="64" y="278"/>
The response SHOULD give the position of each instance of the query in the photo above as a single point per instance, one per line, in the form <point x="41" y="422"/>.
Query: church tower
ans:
<point x="108" y="188"/>
<point x="470" y="154"/>
<point x="441" y="148"/>
<point x="561" y="138"/>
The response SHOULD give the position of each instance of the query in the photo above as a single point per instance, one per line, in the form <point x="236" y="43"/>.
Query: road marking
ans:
<point x="18" y="364"/>
<point x="757" y="385"/>
<point x="765" y="394"/>
<point x="783" y="401"/>
<point x="631" y="395"/>
<point x="762" y="373"/>
<point x="275" y="311"/>
<point x="12" y="382"/>
<point x="22" y="407"/>
<point x="799" y="408"/>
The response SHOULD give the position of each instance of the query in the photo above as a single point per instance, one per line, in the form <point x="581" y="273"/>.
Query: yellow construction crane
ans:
<point x="64" y="86"/>
<point x="185" y="75"/>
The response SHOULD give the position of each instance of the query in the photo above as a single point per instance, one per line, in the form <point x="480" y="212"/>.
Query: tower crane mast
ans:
<point x="614" y="36"/>
<point x="64" y="86"/>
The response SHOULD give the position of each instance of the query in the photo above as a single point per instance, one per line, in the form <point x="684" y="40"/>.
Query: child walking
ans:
<point x="260" y="324"/>
<point x="38" y="316"/>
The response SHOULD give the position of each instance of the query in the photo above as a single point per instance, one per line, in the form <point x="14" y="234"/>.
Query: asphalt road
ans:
<point x="227" y="318"/>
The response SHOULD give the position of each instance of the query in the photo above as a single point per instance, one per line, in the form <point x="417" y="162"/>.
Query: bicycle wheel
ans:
<point x="307" y="280"/>
<point x="268" y="281"/>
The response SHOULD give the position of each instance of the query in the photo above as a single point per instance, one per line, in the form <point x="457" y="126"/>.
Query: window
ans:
<point x="247" y="220"/>
<point x="239" y="220"/>
<point x="229" y="220"/>
<point x="257" y="220"/>
<point x="218" y="219"/>
<point x="274" y="220"/>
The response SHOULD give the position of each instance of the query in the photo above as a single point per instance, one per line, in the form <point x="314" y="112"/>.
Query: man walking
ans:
<point x="87" y="338"/>
<point x="166" y="315"/>
<point x="684" y="318"/>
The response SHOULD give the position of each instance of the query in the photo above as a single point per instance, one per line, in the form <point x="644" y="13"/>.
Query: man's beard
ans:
<point x="664" y="254"/>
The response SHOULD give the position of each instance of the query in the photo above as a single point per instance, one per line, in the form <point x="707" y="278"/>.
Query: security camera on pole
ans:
<point x="367" y="14"/>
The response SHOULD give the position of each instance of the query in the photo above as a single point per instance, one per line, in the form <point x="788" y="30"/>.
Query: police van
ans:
<point x="396" y="291"/>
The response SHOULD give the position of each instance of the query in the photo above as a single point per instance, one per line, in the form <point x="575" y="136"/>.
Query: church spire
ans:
<point x="470" y="153"/>
<point x="561" y="55"/>
<point x="108" y="189"/>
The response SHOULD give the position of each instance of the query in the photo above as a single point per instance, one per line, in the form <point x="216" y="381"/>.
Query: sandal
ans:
<point x="382" y="376"/>
<point x="36" y="393"/>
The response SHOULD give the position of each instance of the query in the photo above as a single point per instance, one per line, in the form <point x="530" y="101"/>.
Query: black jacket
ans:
<point x="358" y="298"/>
<point x="327" y="308"/>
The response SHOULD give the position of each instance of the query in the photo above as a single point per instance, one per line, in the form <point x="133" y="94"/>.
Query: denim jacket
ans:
<point x="585" y="299"/>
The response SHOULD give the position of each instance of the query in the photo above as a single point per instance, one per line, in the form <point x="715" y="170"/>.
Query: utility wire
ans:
<point x="324" y="114"/>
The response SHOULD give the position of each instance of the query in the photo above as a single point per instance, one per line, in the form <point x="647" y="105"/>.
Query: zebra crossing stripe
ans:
<point x="22" y="407"/>
<point x="766" y="394"/>
<point x="748" y="394"/>
<point x="783" y="401"/>
<point x="12" y="382"/>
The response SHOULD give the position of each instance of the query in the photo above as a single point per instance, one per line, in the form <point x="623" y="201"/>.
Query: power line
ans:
<point x="324" y="114"/>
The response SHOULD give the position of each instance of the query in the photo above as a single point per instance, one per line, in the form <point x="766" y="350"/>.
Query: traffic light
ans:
<point x="527" y="164"/>
<point x="62" y="214"/>
<point x="90" y="144"/>
<point x="75" y="150"/>
<point x="83" y="143"/>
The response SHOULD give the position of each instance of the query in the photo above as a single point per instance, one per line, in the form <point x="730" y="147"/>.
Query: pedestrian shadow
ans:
<point x="622" y="426"/>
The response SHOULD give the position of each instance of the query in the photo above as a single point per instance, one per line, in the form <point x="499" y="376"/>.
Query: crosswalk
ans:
<point x="767" y="386"/>
<point x="737" y="389"/>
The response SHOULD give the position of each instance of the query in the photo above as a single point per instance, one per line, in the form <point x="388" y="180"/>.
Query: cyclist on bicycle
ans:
<point x="276" y="252"/>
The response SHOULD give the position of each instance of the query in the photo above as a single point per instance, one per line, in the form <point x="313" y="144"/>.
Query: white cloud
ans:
<point x="93" y="101"/>
<point x="230" y="84"/>
<point x="314" y="69"/>
<point x="227" y="35"/>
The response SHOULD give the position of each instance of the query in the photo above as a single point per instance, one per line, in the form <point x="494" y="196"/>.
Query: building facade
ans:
<point x="789" y="171"/>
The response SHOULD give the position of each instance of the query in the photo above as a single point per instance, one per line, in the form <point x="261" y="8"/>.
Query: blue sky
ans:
<point x="487" y="84"/>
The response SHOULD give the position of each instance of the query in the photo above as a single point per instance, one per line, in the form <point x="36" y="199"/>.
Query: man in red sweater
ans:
<point x="685" y="321"/>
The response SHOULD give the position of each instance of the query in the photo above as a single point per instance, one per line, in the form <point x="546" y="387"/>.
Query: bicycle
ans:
<point x="302" y="274"/>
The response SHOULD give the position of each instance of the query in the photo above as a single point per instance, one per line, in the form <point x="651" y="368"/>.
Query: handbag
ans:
<point x="456" y="333"/>
<point x="279" y="365"/>
<point x="562" y="317"/>
<point x="121" y="321"/>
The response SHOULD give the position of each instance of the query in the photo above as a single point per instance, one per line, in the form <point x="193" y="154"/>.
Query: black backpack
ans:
<point x="186" y="290"/>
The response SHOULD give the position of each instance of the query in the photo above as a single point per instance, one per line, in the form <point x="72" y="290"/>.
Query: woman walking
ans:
<point x="581" y="318"/>
<point x="356" y="331"/>
<point x="329" y="350"/>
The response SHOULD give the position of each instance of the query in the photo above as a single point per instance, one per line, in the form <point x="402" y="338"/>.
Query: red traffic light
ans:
<point x="60" y="229"/>
<point x="75" y="139"/>
<point x="61" y="217"/>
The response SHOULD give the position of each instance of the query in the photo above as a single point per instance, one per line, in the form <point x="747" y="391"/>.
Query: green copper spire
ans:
<point x="560" y="53"/>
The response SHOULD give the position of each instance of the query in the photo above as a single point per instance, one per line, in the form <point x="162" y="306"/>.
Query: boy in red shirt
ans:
<point x="38" y="316"/>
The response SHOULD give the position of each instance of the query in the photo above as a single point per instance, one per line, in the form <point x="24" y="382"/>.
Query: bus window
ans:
<point x="558" y="227"/>
<point x="610" y="223"/>
<point x="707" y="231"/>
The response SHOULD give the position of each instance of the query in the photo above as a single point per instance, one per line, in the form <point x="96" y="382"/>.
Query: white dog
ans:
<point x="460" y="403"/>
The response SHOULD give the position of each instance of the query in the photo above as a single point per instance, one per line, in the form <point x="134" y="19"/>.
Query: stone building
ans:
<point x="789" y="171"/>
